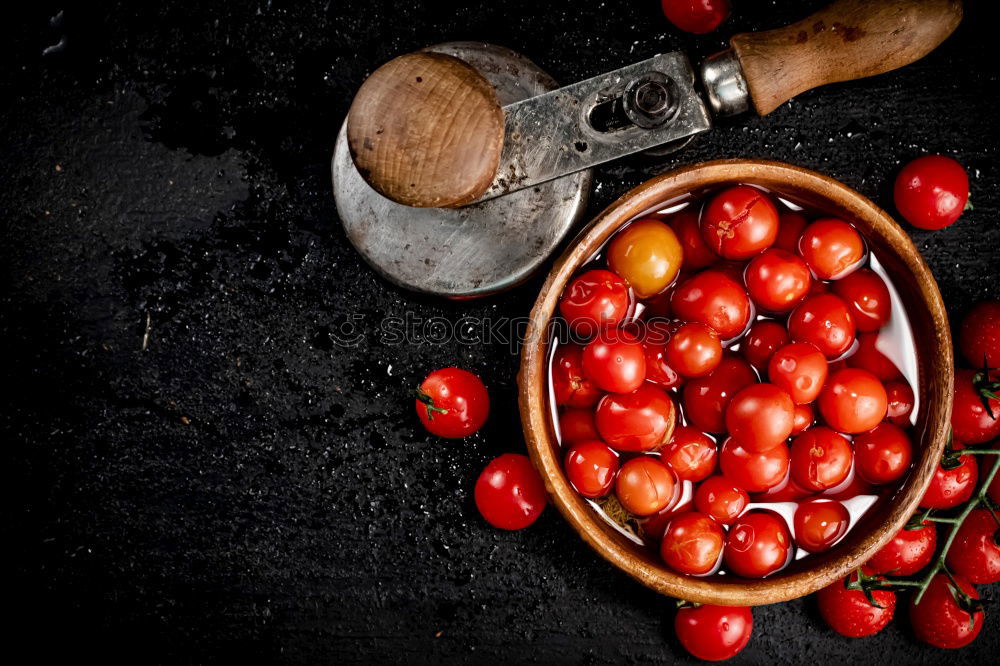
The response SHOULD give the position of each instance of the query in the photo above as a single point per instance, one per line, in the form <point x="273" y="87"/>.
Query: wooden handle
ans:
<point x="426" y="130"/>
<point x="850" y="39"/>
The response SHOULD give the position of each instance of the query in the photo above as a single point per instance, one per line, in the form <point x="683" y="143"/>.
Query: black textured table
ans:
<point x="196" y="472"/>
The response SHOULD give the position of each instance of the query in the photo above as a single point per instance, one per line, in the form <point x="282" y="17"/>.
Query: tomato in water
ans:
<point x="658" y="370"/>
<point x="695" y="350"/>
<point x="800" y="370"/>
<point x="867" y="298"/>
<point x="975" y="552"/>
<point x="615" y="362"/>
<point x="777" y="280"/>
<point x="697" y="254"/>
<point x="757" y="544"/>
<point x="883" y="454"/>
<point x="739" y="222"/>
<point x="510" y="495"/>
<point x="754" y="472"/>
<point x="803" y="418"/>
<point x="644" y="485"/>
<point x="820" y="459"/>
<point x="979" y="335"/>
<point x="951" y="487"/>
<point x="941" y="620"/>
<point x="908" y="552"/>
<point x="647" y="255"/>
<point x="714" y="299"/>
<point x="790" y="227"/>
<point x="692" y="543"/>
<point x="849" y="613"/>
<point x="591" y="467"/>
<point x="900" y="402"/>
<point x="760" y="417"/>
<point x="853" y="401"/>
<point x="819" y="524"/>
<point x="576" y="424"/>
<point x="572" y="388"/>
<point x="594" y="301"/>
<point x="761" y="341"/>
<point x="824" y="321"/>
<point x="832" y="248"/>
<point x="868" y="357"/>
<point x="972" y="421"/>
<point x="931" y="192"/>
<point x="691" y="454"/>
<point x="639" y="421"/>
<point x="706" y="398"/>
<point x="452" y="403"/>
<point x="696" y="16"/>
<point x="721" y="499"/>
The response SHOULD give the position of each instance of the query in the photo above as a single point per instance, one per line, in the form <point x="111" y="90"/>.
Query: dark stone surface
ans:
<point x="242" y="487"/>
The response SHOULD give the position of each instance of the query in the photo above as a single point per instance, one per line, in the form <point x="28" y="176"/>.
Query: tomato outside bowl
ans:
<point x="920" y="297"/>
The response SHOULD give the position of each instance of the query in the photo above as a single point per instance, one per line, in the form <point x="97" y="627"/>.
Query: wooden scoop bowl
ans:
<point x="920" y="297"/>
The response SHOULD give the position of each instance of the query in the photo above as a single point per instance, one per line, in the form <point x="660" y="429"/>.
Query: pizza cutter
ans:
<point x="461" y="167"/>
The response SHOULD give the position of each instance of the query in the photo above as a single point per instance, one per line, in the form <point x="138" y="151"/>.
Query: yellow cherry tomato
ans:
<point x="647" y="255"/>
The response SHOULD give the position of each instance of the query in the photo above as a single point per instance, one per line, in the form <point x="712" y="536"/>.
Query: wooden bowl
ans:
<point x="920" y="297"/>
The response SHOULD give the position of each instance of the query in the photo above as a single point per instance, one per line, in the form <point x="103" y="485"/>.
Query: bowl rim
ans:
<point x="936" y="378"/>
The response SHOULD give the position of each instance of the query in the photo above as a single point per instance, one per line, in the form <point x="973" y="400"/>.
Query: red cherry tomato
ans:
<point x="739" y="222"/>
<point x="639" y="421"/>
<point x="907" y="553"/>
<point x="697" y="255"/>
<point x="819" y="524"/>
<point x="706" y="398"/>
<point x="570" y="385"/>
<point x="754" y="472"/>
<point x="615" y="361"/>
<point x="777" y="280"/>
<point x="799" y="369"/>
<point x="849" y="613"/>
<point x="824" y="321"/>
<point x="951" y="487"/>
<point x="452" y="403"/>
<point x="900" y="402"/>
<point x="820" y="459"/>
<point x="644" y="485"/>
<point x="868" y="357"/>
<point x="713" y="298"/>
<point x="804" y="417"/>
<point x="658" y="370"/>
<point x="593" y="301"/>
<point x="867" y="298"/>
<point x="973" y="422"/>
<point x="691" y="454"/>
<point x="758" y="544"/>
<point x="577" y="424"/>
<point x="760" y="417"/>
<point x="975" y="553"/>
<point x="856" y="486"/>
<point x="941" y="620"/>
<point x="692" y="543"/>
<point x="591" y="467"/>
<point x="832" y="248"/>
<point x="790" y="227"/>
<point x="931" y="192"/>
<point x="714" y="633"/>
<point x="761" y="341"/>
<point x="853" y="401"/>
<point x="696" y="16"/>
<point x="883" y="454"/>
<point x="510" y="494"/>
<point x="979" y="336"/>
<point x="721" y="499"/>
<point x="694" y="350"/>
